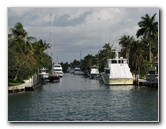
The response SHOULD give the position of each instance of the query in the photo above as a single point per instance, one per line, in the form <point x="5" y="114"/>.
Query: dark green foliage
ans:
<point x="98" y="60"/>
<point x="25" y="55"/>
<point x="149" y="32"/>
<point x="65" y="66"/>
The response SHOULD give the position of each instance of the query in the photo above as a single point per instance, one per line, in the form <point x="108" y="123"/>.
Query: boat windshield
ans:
<point x="57" y="66"/>
<point x="94" y="67"/>
<point x="114" y="61"/>
<point x="77" y="69"/>
<point x="57" y="70"/>
<point x="119" y="61"/>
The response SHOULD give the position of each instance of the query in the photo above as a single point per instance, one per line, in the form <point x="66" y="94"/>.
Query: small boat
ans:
<point x="77" y="71"/>
<point x="117" y="72"/>
<point x="44" y="74"/>
<point x="94" y="72"/>
<point x="152" y="79"/>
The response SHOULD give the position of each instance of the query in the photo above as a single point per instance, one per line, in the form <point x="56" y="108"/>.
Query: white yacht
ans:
<point x="57" y="70"/>
<point x="117" y="72"/>
<point x="94" y="72"/>
<point x="77" y="71"/>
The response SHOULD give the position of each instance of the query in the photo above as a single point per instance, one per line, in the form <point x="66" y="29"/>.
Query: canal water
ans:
<point x="77" y="98"/>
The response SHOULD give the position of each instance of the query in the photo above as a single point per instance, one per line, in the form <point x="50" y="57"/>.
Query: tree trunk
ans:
<point x="16" y="74"/>
<point x="150" y="52"/>
<point x="127" y="56"/>
<point x="150" y="58"/>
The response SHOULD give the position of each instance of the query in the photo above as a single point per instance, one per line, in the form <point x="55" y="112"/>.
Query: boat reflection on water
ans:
<point x="121" y="87"/>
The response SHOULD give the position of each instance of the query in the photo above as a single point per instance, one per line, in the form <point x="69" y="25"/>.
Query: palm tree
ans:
<point x="19" y="35"/>
<point x="107" y="49"/>
<point x="104" y="54"/>
<point x="39" y="48"/>
<point x="19" y="40"/>
<point x="137" y="55"/>
<point x="126" y="41"/>
<point x="25" y="54"/>
<point x="148" y="29"/>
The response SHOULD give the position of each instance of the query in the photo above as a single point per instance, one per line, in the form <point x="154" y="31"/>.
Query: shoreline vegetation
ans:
<point x="26" y="55"/>
<point x="15" y="83"/>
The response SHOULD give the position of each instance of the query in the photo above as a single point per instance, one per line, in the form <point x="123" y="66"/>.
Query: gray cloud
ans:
<point x="66" y="20"/>
<point x="75" y="29"/>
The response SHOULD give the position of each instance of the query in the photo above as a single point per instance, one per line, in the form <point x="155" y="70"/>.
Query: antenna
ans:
<point x="116" y="50"/>
<point x="80" y="54"/>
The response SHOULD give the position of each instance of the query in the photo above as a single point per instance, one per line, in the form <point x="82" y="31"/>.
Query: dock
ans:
<point x="13" y="89"/>
<point x="29" y="85"/>
<point x="148" y="83"/>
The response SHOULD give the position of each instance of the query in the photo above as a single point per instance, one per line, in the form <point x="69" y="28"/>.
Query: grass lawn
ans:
<point x="15" y="83"/>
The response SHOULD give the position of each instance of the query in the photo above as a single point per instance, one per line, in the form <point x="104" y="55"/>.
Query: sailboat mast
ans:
<point x="51" y="38"/>
<point x="80" y="59"/>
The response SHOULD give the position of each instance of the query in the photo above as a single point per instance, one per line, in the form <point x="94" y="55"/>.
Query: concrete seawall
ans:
<point x="29" y="85"/>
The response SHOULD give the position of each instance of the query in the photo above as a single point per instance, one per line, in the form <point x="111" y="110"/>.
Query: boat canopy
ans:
<point x="120" y="71"/>
<point x="118" y="68"/>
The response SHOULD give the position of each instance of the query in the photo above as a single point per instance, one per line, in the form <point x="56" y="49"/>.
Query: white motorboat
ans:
<point x="117" y="72"/>
<point x="44" y="74"/>
<point x="77" y="71"/>
<point x="94" y="72"/>
<point x="57" y="70"/>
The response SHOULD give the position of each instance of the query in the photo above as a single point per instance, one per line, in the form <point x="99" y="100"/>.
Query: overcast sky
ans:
<point x="78" y="29"/>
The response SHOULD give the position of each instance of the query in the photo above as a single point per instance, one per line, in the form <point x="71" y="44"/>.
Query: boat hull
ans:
<point x="117" y="81"/>
<point x="93" y="76"/>
<point x="54" y="79"/>
<point x="78" y="73"/>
